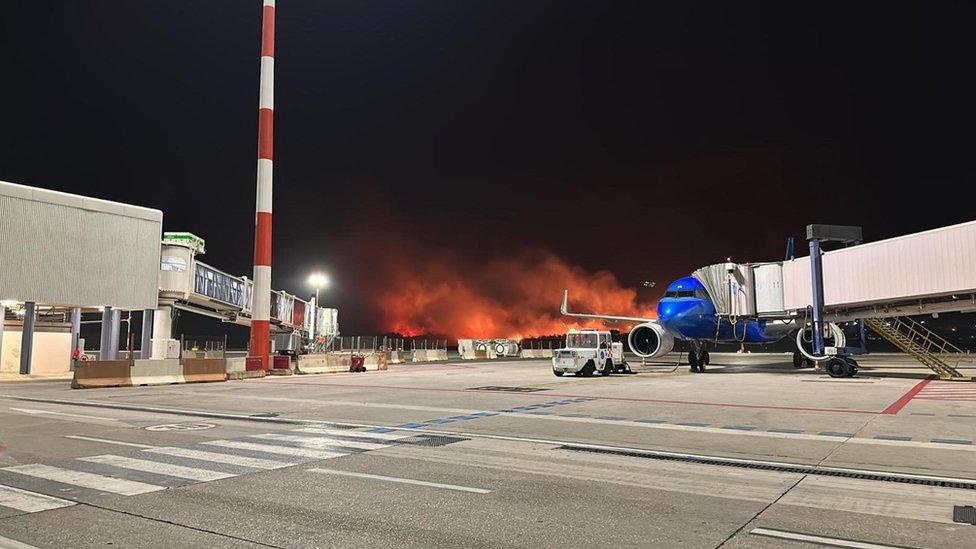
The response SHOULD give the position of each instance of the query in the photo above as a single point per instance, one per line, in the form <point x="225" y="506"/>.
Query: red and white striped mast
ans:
<point x="261" y="293"/>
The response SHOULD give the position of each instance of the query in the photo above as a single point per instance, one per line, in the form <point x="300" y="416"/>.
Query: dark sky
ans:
<point x="644" y="138"/>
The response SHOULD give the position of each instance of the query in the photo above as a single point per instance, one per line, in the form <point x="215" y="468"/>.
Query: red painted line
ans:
<point x="615" y="399"/>
<point x="268" y="32"/>
<point x="260" y="344"/>
<point x="897" y="405"/>
<point x="266" y="134"/>
<point x="262" y="239"/>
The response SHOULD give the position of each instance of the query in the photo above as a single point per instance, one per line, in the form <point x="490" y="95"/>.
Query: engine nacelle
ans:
<point x="650" y="340"/>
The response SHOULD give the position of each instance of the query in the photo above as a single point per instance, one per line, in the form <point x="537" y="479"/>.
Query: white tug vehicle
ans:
<point x="589" y="351"/>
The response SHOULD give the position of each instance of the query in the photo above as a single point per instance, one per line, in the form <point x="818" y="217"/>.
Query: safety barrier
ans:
<point x="375" y="361"/>
<point x="93" y="374"/>
<point x="156" y="372"/>
<point x="437" y="354"/>
<point x="200" y="370"/>
<point x="323" y="363"/>
<point x="280" y="365"/>
<point x="396" y="357"/>
<point x="237" y="369"/>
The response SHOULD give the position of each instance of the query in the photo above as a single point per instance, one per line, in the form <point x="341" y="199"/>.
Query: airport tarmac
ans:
<point x="752" y="453"/>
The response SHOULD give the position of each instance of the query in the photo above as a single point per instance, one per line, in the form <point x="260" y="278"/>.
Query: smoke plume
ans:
<point x="513" y="296"/>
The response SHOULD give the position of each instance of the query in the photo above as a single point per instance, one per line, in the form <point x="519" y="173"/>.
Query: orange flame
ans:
<point x="516" y="296"/>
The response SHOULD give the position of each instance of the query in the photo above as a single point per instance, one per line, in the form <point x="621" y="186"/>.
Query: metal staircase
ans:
<point x="925" y="345"/>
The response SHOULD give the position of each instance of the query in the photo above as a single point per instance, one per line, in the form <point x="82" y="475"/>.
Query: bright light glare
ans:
<point x="318" y="280"/>
<point x="7" y="303"/>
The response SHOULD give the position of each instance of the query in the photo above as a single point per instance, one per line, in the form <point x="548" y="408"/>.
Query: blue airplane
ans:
<point x="687" y="312"/>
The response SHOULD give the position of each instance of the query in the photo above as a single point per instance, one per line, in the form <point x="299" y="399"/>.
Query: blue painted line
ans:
<point x="463" y="418"/>
<point x="439" y="421"/>
<point x="574" y="415"/>
<point x="412" y="425"/>
<point x="788" y="431"/>
<point x="836" y="434"/>
<point x="380" y="430"/>
<point x="920" y="414"/>
<point x="485" y="414"/>
<point x="739" y="427"/>
<point x="650" y="420"/>
<point x="892" y="437"/>
<point x="692" y="424"/>
<point x="615" y="418"/>
<point x="961" y="415"/>
<point x="952" y="441"/>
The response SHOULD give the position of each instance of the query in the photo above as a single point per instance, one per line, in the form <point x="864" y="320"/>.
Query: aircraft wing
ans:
<point x="564" y="309"/>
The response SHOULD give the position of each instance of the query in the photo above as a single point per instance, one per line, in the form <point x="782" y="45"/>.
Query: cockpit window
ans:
<point x="700" y="294"/>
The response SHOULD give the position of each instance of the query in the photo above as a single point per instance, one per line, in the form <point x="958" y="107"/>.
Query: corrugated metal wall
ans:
<point x="59" y="249"/>
<point x="928" y="264"/>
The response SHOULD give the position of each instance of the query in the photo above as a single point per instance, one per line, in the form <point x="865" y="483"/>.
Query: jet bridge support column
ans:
<point x="816" y="281"/>
<point x="815" y="235"/>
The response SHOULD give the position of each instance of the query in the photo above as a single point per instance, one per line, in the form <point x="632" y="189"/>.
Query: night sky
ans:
<point x="646" y="139"/>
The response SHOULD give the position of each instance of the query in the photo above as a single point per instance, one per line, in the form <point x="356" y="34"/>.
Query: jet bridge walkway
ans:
<point x="921" y="273"/>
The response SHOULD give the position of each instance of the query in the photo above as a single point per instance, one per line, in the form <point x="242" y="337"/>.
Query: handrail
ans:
<point x="924" y="344"/>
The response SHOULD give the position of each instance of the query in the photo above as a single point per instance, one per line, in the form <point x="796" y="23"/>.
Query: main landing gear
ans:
<point x="697" y="357"/>
<point x="841" y="366"/>
<point x="800" y="361"/>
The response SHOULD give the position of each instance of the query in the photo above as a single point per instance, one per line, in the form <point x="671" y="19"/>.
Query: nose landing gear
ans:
<point x="697" y="358"/>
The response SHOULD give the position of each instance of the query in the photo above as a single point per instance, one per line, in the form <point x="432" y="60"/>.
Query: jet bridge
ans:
<point x="922" y="273"/>
<point x="188" y="284"/>
<point x="928" y="272"/>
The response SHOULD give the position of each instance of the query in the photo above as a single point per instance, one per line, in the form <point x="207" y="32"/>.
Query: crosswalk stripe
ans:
<point x="158" y="467"/>
<point x="274" y="449"/>
<point x="30" y="502"/>
<point x="349" y="433"/>
<point x="321" y="442"/>
<point x="85" y="480"/>
<point x="217" y="457"/>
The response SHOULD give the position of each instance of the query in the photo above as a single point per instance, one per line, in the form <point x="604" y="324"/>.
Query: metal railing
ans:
<point x="929" y="348"/>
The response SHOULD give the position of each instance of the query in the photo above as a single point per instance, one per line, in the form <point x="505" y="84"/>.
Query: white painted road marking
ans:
<point x="320" y="442"/>
<point x="85" y="480"/>
<point x="832" y="542"/>
<point x="49" y="412"/>
<point x="216" y="457"/>
<point x="108" y="441"/>
<point x="158" y="467"/>
<point x="30" y="502"/>
<point x="428" y="430"/>
<point x="273" y="449"/>
<point x="351" y="433"/>
<point x="401" y="480"/>
<point x="7" y="543"/>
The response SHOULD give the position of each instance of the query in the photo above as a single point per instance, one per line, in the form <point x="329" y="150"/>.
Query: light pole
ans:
<point x="318" y="281"/>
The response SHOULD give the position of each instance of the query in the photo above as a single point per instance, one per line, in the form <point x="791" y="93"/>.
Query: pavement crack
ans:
<point x="760" y="512"/>
<point x="177" y="524"/>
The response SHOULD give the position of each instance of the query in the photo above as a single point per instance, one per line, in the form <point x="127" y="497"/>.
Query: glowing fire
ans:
<point x="505" y="297"/>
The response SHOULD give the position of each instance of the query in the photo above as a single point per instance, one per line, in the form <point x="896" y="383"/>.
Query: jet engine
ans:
<point x="650" y="340"/>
